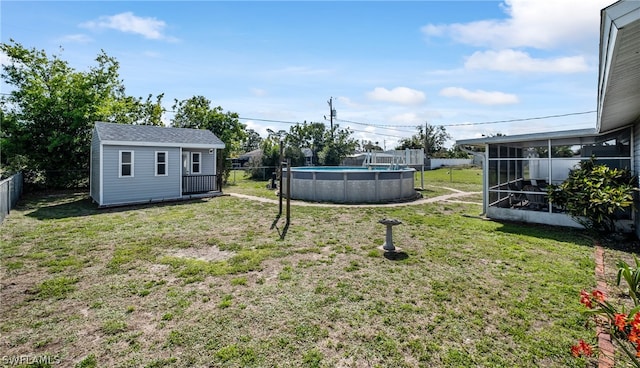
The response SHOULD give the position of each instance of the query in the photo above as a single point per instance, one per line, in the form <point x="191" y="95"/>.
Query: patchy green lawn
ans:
<point x="209" y="283"/>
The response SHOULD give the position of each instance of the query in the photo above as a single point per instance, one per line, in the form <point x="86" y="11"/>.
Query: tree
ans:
<point x="371" y="146"/>
<point x="196" y="112"/>
<point x="252" y="141"/>
<point x="338" y="145"/>
<point x="48" y="116"/>
<point x="308" y="135"/>
<point x="436" y="137"/>
<point x="594" y="195"/>
<point x="457" y="152"/>
<point x="329" y="147"/>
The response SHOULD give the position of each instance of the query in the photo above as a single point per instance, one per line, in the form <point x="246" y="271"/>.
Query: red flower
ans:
<point x="633" y="335"/>
<point x="636" y="321"/>
<point x="575" y="350"/>
<point x="598" y="295"/>
<point x="585" y="299"/>
<point x="586" y="348"/>
<point x="582" y="348"/>
<point x="621" y="321"/>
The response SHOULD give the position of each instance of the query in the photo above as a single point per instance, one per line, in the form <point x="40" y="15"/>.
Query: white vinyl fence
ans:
<point x="10" y="192"/>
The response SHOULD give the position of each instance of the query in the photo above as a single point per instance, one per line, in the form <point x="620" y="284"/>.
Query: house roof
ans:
<point x="619" y="76"/>
<point x="149" y="135"/>
<point x="250" y="154"/>
<point x="566" y="134"/>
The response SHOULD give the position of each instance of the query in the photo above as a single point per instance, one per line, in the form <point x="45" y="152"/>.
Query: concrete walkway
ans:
<point x="447" y="197"/>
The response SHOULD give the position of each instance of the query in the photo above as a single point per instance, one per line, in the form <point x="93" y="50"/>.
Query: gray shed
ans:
<point x="141" y="163"/>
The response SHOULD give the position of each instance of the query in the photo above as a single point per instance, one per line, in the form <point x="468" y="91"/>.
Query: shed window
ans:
<point x="161" y="163"/>
<point x="126" y="164"/>
<point x="195" y="162"/>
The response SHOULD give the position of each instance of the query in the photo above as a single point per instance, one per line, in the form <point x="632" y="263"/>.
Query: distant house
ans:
<point x="518" y="168"/>
<point x="247" y="158"/>
<point x="140" y="164"/>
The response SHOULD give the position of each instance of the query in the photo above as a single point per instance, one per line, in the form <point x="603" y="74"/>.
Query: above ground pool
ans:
<point x="342" y="184"/>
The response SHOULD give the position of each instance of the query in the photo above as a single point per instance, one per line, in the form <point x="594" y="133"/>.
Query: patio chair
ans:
<point x="516" y="197"/>
<point x="536" y="201"/>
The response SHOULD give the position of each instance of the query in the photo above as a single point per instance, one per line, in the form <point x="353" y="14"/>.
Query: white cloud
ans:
<point x="258" y="92"/>
<point x="407" y="118"/>
<point x="77" y="38"/>
<point x="259" y="128"/>
<point x="530" y="23"/>
<point x="346" y="101"/>
<point x="400" y="95"/>
<point x="480" y="96"/>
<point x="127" y="22"/>
<point x="518" y="61"/>
<point x="152" y="54"/>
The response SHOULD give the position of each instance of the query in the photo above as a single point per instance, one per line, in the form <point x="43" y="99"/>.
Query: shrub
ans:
<point x="595" y="195"/>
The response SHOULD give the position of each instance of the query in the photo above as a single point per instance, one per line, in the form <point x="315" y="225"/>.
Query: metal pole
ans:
<point x="280" y="179"/>
<point x="288" y="190"/>
<point x="280" y="191"/>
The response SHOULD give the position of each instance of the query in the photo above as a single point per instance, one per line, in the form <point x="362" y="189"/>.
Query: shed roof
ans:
<point x="126" y="134"/>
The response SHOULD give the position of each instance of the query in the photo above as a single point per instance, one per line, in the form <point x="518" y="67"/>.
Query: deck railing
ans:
<point x="198" y="184"/>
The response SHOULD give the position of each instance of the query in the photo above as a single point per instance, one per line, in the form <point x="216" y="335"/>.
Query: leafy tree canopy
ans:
<point x="48" y="115"/>
<point x="252" y="141"/>
<point x="435" y="137"/>
<point x="197" y="112"/>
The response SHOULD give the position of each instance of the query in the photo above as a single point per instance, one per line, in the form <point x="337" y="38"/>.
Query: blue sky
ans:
<point x="388" y="65"/>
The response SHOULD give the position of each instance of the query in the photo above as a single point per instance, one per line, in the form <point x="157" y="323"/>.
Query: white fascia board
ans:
<point x="101" y="171"/>
<point x="163" y="144"/>
<point x="623" y="12"/>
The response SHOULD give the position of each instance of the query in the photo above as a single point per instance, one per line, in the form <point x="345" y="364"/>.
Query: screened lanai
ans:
<point x="518" y="169"/>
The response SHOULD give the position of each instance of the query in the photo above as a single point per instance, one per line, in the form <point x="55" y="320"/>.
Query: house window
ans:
<point x="126" y="164"/>
<point x="195" y="162"/>
<point x="161" y="163"/>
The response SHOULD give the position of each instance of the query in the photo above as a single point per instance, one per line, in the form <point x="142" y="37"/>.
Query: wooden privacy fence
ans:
<point x="10" y="192"/>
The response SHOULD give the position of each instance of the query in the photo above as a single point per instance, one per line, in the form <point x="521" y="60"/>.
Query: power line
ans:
<point x="477" y="123"/>
<point x="523" y="119"/>
<point x="295" y="122"/>
<point x="270" y="121"/>
<point x="381" y="125"/>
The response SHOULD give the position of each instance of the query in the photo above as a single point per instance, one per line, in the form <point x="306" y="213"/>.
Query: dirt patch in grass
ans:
<point x="205" y="253"/>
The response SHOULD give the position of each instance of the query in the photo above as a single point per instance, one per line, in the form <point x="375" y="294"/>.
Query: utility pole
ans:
<point x="332" y="113"/>
<point x="426" y="138"/>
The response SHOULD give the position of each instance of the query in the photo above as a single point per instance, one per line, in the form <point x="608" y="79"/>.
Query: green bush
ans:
<point x="595" y="195"/>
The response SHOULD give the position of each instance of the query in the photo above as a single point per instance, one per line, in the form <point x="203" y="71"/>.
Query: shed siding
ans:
<point x="144" y="185"/>
<point x="207" y="163"/>
<point x="94" y="179"/>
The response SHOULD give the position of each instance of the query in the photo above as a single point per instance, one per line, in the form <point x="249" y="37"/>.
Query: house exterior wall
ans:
<point x="94" y="177"/>
<point x="144" y="186"/>
<point x="208" y="160"/>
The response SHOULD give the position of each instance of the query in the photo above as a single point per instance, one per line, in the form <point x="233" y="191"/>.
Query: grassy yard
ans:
<point x="208" y="283"/>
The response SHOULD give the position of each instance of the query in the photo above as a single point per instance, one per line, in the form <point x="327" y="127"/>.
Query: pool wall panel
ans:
<point x="349" y="185"/>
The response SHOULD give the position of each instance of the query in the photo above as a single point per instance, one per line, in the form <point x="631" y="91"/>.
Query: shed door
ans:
<point x="185" y="163"/>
